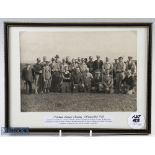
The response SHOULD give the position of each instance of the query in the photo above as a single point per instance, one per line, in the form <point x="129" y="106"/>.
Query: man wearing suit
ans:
<point x="97" y="65"/>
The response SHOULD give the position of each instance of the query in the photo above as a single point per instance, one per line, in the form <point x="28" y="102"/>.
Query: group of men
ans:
<point x="80" y="75"/>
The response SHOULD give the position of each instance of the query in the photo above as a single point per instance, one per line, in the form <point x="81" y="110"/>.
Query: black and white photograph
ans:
<point x="78" y="71"/>
<point x="73" y="76"/>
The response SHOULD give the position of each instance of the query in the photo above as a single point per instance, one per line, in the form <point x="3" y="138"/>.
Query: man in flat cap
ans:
<point x="120" y="69"/>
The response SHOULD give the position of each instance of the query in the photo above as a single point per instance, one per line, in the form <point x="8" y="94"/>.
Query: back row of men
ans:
<point x="80" y="75"/>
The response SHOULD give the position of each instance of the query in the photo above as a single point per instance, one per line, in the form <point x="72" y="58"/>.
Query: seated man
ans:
<point x="98" y="81"/>
<point x="107" y="81"/>
<point x="128" y="83"/>
<point x="77" y="81"/>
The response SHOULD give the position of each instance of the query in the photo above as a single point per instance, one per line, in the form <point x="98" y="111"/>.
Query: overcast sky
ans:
<point x="78" y="44"/>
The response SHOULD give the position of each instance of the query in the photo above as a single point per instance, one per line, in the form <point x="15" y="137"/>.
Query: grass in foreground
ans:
<point x="79" y="102"/>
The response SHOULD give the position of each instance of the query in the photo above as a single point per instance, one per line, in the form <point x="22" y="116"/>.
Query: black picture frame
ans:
<point x="7" y="25"/>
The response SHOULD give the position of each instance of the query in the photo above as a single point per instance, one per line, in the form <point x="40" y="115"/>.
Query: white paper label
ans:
<point x="78" y="120"/>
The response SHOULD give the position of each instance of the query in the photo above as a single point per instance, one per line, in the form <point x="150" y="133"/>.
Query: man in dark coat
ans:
<point x="90" y="65"/>
<point x="97" y="65"/>
<point x="27" y="76"/>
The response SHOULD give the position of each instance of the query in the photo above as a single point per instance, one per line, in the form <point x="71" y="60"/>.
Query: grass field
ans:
<point x="78" y="102"/>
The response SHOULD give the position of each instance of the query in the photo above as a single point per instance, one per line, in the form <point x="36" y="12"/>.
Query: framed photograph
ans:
<point x="78" y="77"/>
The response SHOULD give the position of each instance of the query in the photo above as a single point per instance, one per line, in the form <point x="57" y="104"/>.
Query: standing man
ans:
<point x="57" y="77"/>
<point x="97" y="65"/>
<point x="43" y="63"/>
<point x="114" y="72"/>
<point x="90" y="65"/>
<point x="47" y="77"/>
<point x="82" y="66"/>
<point x="120" y="69"/>
<point x="68" y="62"/>
<point x="97" y="69"/>
<point x="78" y="60"/>
<point x="74" y="65"/>
<point x="107" y="66"/>
<point x="27" y="76"/>
<point x="38" y="75"/>
<point x="63" y="65"/>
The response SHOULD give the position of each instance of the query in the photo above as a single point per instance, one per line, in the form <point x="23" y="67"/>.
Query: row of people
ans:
<point x="80" y="75"/>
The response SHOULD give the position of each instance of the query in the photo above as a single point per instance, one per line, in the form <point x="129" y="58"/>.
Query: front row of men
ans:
<point x="80" y="75"/>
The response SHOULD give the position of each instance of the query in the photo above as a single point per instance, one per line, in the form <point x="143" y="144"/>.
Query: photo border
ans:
<point x="7" y="25"/>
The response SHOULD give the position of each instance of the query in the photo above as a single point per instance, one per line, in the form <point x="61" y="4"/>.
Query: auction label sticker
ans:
<point x="136" y="121"/>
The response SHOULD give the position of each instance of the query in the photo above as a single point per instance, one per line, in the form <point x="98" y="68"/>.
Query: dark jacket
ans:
<point x="97" y="65"/>
<point x="27" y="74"/>
<point x="90" y="66"/>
